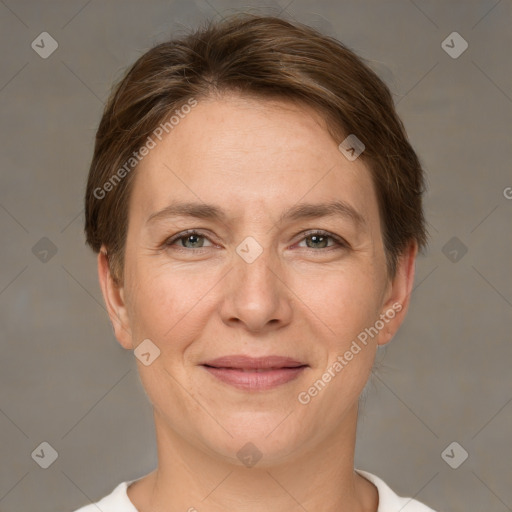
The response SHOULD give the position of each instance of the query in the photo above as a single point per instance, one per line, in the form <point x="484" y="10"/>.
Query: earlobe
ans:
<point x="113" y="295"/>
<point x="400" y="289"/>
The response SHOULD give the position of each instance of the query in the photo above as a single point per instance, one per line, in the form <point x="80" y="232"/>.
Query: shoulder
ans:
<point x="389" y="501"/>
<point x="116" y="501"/>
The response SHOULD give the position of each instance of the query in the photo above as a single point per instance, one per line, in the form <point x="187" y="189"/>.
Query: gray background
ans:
<point x="445" y="377"/>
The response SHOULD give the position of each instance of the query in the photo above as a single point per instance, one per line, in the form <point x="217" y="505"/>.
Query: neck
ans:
<point x="317" y="477"/>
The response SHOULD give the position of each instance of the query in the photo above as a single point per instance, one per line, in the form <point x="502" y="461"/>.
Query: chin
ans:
<point x="261" y="440"/>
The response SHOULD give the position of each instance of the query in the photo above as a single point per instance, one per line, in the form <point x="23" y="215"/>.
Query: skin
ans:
<point x="302" y="298"/>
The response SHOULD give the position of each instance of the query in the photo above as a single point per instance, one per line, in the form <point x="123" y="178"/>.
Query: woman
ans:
<point x="256" y="209"/>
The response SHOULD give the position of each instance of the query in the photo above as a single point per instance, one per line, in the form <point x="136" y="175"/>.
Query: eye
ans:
<point x="319" y="239"/>
<point x="190" y="239"/>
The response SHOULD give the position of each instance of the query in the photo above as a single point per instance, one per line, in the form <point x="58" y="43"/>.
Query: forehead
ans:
<point x="241" y="151"/>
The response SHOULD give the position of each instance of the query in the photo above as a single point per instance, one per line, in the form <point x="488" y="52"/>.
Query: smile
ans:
<point x="254" y="374"/>
<point x="255" y="379"/>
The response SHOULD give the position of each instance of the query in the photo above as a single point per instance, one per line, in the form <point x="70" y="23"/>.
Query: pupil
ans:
<point x="193" y="239"/>
<point x="316" y="239"/>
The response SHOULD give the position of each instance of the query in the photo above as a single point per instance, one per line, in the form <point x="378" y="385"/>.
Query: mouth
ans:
<point x="254" y="374"/>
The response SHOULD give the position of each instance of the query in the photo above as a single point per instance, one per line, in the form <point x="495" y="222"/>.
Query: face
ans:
<point x="277" y="256"/>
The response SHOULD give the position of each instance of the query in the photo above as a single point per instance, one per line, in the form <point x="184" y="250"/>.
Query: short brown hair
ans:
<point x="267" y="57"/>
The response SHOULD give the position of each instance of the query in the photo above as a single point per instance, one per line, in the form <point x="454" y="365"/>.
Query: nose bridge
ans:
<point x="255" y="269"/>
<point x="256" y="294"/>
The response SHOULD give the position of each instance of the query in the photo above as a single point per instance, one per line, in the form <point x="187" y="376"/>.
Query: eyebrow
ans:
<point x="297" y="212"/>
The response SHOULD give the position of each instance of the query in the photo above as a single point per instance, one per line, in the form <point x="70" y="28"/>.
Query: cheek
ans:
<point x="343" y="306"/>
<point x="163" y="302"/>
<point x="343" y="301"/>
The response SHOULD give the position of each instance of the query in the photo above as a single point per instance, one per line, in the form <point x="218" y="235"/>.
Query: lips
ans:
<point x="254" y="374"/>
<point x="241" y="362"/>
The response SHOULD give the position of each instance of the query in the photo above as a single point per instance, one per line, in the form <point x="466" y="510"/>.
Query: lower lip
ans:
<point x="255" y="381"/>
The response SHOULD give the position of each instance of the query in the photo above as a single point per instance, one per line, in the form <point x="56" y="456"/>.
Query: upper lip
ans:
<point x="250" y="363"/>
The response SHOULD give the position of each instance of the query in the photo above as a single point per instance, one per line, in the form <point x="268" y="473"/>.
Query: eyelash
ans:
<point x="340" y="243"/>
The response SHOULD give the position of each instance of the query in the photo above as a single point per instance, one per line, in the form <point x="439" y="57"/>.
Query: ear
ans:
<point x="113" y="295"/>
<point x="398" y="294"/>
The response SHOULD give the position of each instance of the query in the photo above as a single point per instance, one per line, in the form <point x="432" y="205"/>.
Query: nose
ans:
<point x="256" y="295"/>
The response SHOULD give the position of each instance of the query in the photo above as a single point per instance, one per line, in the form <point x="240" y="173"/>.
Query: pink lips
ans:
<point x="254" y="374"/>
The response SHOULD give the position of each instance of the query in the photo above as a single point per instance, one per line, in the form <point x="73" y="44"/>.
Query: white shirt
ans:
<point x="118" y="501"/>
